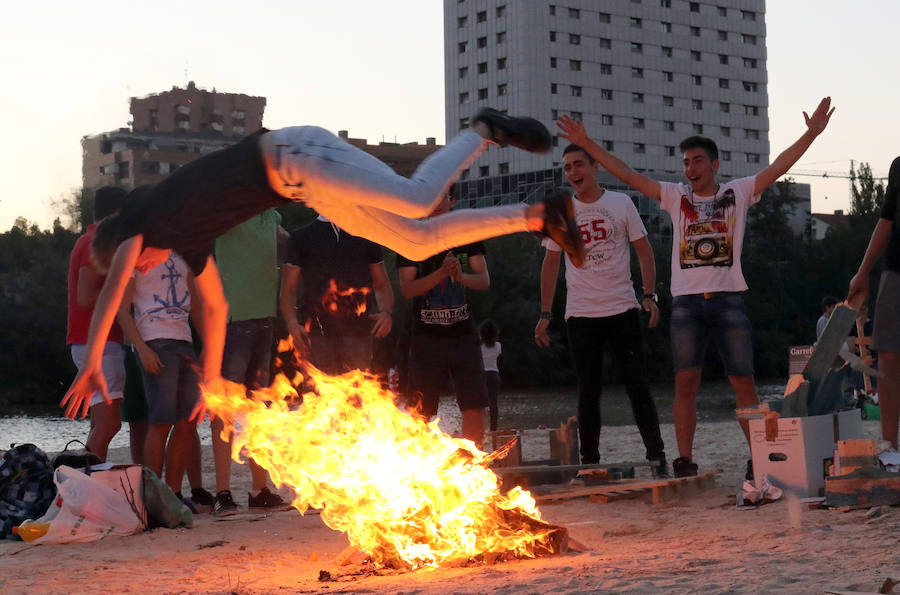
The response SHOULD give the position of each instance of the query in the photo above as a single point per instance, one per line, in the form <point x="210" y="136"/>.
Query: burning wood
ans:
<point x="405" y="493"/>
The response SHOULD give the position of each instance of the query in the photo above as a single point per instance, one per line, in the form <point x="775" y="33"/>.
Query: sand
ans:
<point x="696" y="544"/>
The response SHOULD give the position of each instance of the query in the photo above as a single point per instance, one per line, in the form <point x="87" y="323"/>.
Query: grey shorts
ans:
<point x="886" y="335"/>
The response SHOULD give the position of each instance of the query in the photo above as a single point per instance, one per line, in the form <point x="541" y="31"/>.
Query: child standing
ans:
<point x="490" y="352"/>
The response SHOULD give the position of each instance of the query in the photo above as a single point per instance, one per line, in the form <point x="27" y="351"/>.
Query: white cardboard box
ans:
<point x="795" y="461"/>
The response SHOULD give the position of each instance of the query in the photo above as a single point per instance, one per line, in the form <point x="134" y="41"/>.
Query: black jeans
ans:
<point x="587" y="338"/>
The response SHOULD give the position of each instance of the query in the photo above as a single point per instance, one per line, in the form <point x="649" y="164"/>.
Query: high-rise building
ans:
<point x="641" y="74"/>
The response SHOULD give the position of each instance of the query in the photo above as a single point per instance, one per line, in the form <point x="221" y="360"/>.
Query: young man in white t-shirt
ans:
<point x="708" y="222"/>
<point x="601" y="306"/>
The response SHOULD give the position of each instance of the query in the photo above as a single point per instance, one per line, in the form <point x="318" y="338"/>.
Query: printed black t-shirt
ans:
<point x="443" y="311"/>
<point x="200" y="201"/>
<point x="326" y="253"/>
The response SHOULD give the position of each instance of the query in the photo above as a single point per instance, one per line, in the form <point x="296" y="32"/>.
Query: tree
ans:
<point x="867" y="195"/>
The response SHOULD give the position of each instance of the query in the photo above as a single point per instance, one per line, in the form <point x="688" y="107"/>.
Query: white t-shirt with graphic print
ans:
<point x="162" y="301"/>
<point x="603" y="287"/>
<point x="707" y="235"/>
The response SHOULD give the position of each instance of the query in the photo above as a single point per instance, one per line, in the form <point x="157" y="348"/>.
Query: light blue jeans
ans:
<point x="365" y="197"/>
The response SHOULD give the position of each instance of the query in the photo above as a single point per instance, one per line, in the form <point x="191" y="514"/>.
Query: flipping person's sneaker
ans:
<point x="266" y="500"/>
<point x="224" y="504"/>
<point x="684" y="467"/>
<point x="560" y="226"/>
<point x="525" y="133"/>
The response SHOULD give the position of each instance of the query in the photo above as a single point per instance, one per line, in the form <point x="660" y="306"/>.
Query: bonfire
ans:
<point x="405" y="493"/>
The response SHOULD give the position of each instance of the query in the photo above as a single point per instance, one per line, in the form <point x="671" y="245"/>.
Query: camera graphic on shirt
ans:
<point x="706" y="244"/>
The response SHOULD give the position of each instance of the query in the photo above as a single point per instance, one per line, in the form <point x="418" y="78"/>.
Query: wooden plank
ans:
<point x="540" y="468"/>
<point x="829" y="344"/>
<point x="863" y="342"/>
<point x="621" y="485"/>
<point x="615" y="496"/>
<point x="863" y="488"/>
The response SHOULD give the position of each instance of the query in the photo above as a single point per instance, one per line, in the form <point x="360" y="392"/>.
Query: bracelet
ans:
<point x="546" y="315"/>
<point x="652" y="296"/>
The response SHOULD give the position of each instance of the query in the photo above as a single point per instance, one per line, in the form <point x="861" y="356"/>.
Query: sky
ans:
<point x="376" y="70"/>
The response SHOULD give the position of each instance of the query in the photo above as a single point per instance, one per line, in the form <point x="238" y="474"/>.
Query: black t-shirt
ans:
<point x="443" y="311"/>
<point x="202" y="200"/>
<point x="324" y="253"/>
<point x="889" y="211"/>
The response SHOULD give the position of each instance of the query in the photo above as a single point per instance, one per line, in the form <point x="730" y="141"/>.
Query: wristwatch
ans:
<point x="546" y="315"/>
<point x="653" y="296"/>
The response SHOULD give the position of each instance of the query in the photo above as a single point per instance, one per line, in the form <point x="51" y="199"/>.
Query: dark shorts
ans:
<point x="723" y="319"/>
<point x="173" y="393"/>
<point x="134" y="404"/>
<point x="248" y="352"/>
<point x="336" y="353"/>
<point x="886" y="334"/>
<point x="431" y="359"/>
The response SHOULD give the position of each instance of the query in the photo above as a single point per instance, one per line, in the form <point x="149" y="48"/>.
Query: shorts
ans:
<point x="432" y="358"/>
<point x="247" y="358"/>
<point x="173" y="393"/>
<point x="336" y="353"/>
<point x="886" y="334"/>
<point x="722" y="318"/>
<point x="113" y="364"/>
<point x="134" y="405"/>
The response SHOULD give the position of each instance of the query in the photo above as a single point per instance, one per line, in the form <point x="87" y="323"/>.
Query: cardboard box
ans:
<point x="126" y="481"/>
<point x="795" y="461"/>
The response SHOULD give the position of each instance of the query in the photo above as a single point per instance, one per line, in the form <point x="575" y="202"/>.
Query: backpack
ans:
<point x="26" y="487"/>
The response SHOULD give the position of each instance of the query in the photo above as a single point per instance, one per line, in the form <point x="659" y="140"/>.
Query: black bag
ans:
<point x="26" y="487"/>
<point x="84" y="460"/>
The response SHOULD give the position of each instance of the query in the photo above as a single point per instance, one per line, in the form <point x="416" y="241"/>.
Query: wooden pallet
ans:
<point x="661" y="489"/>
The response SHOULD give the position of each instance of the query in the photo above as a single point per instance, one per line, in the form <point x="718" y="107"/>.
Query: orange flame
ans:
<point x="332" y="296"/>
<point x="405" y="493"/>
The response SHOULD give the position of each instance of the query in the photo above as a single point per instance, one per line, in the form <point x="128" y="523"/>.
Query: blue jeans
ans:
<point x="721" y="317"/>
<point x="173" y="393"/>
<point x="247" y="358"/>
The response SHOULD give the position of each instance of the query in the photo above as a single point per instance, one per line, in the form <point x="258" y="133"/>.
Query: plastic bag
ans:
<point x="85" y="510"/>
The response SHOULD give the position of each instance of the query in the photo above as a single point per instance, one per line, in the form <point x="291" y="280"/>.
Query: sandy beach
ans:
<point x="697" y="544"/>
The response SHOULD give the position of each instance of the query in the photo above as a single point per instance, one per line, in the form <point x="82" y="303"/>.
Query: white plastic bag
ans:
<point x="85" y="510"/>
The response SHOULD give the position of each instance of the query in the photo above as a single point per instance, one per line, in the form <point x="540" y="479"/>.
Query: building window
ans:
<point x="723" y="35"/>
<point x="461" y="21"/>
<point x="668" y="76"/>
<point x="637" y="48"/>
<point x="463" y="123"/>
<point x="637" y="98"/>
<point x="463" y="71"/>
<point x="749" y="62"/>
<point x="501" y="63"/>
<point x="635" y="23"/>
<point x="481" y="42"/>
<point x="576" y="91"/>
<point x="463" y="46"/>
<point x="553" y="36"/>
<point x="604" y="17"/>
<point x="751" y="134"/>
<point x="726" y="155"/>
<point x="552" y="10"/>
<point x="751" y="110"/>
<point x="608" y="145"/>
<point x="503" y="168"/>
<point x="723" y="59"/>
<point x="464" y="97"/>
<point x="501" y="37"/>
<point x="698" y="128"/>
<point x="668" y="100"/>
<point x="606" y="119"/>
<point x="666" y="27"/>
<point x="752" y="157"/>
<point x="665" y="3"/>
<point x="695" y="31"/>
<point x="669" y="126"/>
<point x="748" y="15"/>
<point x="725" y="130"/>
<point x="751" y="87"/>
<point x="697" y="80"/>
<point x="723" y="83"/>
<point x="637" y="73"/>
<point x="554" y="114"/>
<point x="695" y="55"/>
<point x="640" y="148"/>
<point x="670" y="151"/>
<point x="748" y="39"/>
<point x="553" y="88"/>
<point x="575" y="65"/>
<point x="482" y="94"/>
<point x="724" y="107"/>
<point x="606" y="94"/>
<point x="482" y="67"/>
<point x="574" y="13"/>
<point x="501" y="11"/>
<point x="605" y="43"/>
<point x="501" y="89"/>
<point x="484" y="171"/>
<point x="577" y="116"/>
<point x="697" y="104"/>
<point x="637" y="123"/>
<point x="606" y="69"/>
<point x="723" y="12"/>
<point x="552" y="62"/>
<point x="666" y="51"/>
<point x="481" y="16"/>
<point x="574" y="39"/>
<point x="695" y="6"/>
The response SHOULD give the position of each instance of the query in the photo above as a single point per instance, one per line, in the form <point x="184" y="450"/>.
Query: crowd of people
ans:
<point x="199" y="251"/>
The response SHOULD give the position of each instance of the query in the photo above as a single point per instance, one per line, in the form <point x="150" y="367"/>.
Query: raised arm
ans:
<point x="815" y="124"/>
<point x="573" y="131"/>
<point x="549" y="272"/>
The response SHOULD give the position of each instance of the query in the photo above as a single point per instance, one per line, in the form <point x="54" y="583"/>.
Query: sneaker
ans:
<point x="749" y="474"/>
<point x="559" y="224"/>
<point x="203" y="500"/>
<point x="525" y="133"/>
<point x="187" y="502"/>
<point x="684" y="467"/>
<point x="266" y="500"/>
<point x="224" y="504"/>
<point x="659" y="468"/>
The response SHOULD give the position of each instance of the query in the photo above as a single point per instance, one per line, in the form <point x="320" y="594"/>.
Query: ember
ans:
<point x="405" y="493"/>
